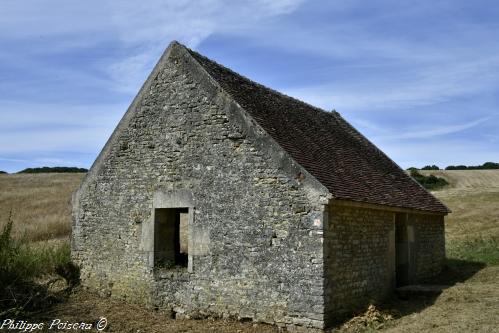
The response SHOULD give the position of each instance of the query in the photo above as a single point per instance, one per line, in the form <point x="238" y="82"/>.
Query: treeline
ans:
<point x="484" y="166"/>
<point x="54" y="170"/>
<point x="1" y="172"/>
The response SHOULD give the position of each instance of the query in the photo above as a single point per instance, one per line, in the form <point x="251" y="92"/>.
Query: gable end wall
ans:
<point x="256" y="228"/>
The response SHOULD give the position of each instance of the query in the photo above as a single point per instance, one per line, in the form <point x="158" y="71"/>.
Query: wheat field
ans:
<point x="473" y="197"/>
<point x="40" y="204"/>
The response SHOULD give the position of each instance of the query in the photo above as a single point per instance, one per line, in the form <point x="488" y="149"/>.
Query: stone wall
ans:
<point x="360" y="254"/>
<point x="359" y="258"/>
<point x="430" y="244"/>
<point x="258" y="222"/>
<point x="264" y="241"/>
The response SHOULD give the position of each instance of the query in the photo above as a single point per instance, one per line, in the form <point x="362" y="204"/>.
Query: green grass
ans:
<point x="480" y="249"/>
<point x="39" y="259"/>
<point x="23" y="260"/>
<point x="20" y="264"/>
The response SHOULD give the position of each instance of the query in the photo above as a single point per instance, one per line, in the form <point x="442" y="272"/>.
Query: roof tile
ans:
<point x="326" y="145"/>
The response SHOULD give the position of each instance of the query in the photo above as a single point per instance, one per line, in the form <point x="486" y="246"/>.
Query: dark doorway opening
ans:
<point x="170" y="237"/>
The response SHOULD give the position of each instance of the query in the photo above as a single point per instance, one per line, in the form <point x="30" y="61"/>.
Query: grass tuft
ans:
<point x="480" y="249"/>
<point x="20" y="264"/>
<point x="21" y="260"/>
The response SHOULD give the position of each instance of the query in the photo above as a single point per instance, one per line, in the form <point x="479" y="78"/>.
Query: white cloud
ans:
<point x="84" y="140"/>
<point x="426" y="85"/>
<point x="382" y="69"/>
<point x="13" y="160"/>
<point x="440" y="152"/>
<point x="433" y="131"/>
<point x="18" y="114"/>
<point x="143" y="29"/>
<point x="55" y="18"/>
<point x="32" y="128"/>
<point x="147" y="27"/>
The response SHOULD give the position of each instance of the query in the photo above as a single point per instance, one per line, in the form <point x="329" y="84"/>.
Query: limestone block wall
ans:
<point x="359" y="258"/>
<point x="430" y="244"/>
<point x="264" y="240"/>
<point x="256" y="227"/>
<point x="360" y="254"/>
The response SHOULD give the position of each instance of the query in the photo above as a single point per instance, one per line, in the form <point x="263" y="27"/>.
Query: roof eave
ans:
<point x="378" y="206"/>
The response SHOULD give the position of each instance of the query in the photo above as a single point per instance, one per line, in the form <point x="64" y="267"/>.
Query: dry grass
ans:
<point x="40" y="204"/>
<point x="41" y="211"/>
<point x="471" y="306"/>
<point x="462" y="180"/>
<point x="473" y="197"/>
<point x="128" y="318"/>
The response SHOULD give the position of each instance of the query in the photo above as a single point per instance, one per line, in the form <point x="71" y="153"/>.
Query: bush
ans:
<point x="2" y="172"/>
<point x="430" y="182"/>
<point x="54" y="170"/>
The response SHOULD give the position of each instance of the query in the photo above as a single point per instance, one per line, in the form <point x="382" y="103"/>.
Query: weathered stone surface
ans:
<point x="255" y="253"/>
<point x="266" y="241"/>
<point x="357" y="257"/>
<point x="360" y="257"/>
<point x="430" y="243"/>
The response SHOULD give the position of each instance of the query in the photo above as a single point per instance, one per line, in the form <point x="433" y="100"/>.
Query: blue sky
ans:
<point x="419" y="78"/>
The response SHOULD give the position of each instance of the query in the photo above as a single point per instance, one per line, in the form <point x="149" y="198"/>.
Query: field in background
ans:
<point x="40" y="204"/>
<point x="473" y="180"/>
<point x="472" y="244"/>
<point x="472" y="229"/>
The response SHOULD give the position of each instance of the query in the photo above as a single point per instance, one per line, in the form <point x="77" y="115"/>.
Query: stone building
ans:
<point x="216" y="196"/>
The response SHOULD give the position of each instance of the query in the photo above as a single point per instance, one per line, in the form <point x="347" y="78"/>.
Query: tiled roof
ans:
<point x="327" y="146"/>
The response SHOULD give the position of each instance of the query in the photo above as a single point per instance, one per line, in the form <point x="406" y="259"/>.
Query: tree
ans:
<point x="430" y="167"/>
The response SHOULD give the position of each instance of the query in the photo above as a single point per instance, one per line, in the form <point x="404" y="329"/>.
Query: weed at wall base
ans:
<point x="20" y="263"/>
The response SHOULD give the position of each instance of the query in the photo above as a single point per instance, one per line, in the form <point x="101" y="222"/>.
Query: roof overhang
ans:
<point x="360" y="204"/>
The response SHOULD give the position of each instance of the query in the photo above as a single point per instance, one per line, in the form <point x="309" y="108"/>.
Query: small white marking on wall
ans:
<point x="317" y="222"/>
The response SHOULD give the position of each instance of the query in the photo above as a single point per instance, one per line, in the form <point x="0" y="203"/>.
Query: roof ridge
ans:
<point x="326" y="145"/>
<point x="316" y="108"/>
